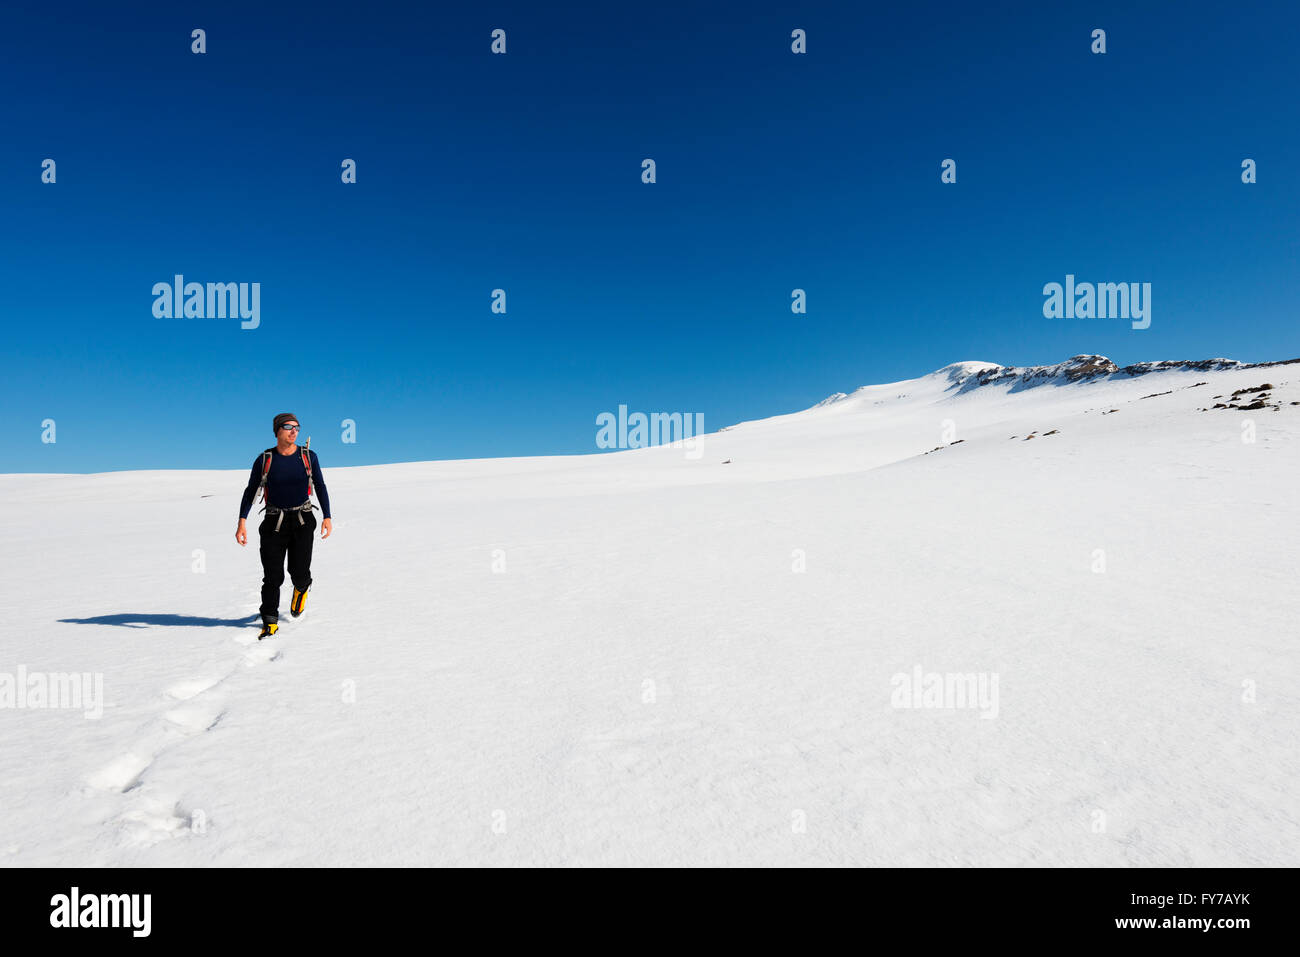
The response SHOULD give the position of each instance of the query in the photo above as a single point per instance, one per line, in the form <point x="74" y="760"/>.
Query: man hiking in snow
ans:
<point x="288" y="474"/>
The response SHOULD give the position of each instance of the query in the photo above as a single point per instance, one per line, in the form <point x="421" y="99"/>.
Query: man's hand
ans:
<point x="241" y="533"/>
<point x="326" y="526"/>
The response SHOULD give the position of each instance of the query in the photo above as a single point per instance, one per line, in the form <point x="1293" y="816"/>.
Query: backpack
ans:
<point x="266" y="468"/>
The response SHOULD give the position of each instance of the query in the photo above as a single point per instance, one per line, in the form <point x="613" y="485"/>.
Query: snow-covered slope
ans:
<point x="682" y="655"/>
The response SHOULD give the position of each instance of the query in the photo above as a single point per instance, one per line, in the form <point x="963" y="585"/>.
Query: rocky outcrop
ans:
<point x="1085" y="368"/>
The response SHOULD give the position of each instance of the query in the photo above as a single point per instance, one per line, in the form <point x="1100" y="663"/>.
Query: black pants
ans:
<point x="294" y="540"/>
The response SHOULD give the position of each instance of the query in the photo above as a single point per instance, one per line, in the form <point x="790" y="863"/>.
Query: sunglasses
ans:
<point x="289" y="428"/>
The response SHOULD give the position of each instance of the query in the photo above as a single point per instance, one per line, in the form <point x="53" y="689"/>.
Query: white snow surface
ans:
<point x="649" y="680"/>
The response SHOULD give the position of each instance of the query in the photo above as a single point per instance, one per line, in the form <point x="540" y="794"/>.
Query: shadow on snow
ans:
<point x="128" y="620"/>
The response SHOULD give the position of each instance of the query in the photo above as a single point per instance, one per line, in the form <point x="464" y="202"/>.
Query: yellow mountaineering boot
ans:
<point x="299" y="602"/>
<point x="269" y="628"/>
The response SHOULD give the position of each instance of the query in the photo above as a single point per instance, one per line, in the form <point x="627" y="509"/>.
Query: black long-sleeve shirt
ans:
<point x="286" y="483"/>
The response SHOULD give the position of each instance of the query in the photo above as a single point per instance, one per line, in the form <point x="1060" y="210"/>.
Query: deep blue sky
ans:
<point x="522" y="171"/>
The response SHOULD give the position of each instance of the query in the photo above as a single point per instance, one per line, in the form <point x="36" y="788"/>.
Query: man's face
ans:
<point x="289" y="430"/>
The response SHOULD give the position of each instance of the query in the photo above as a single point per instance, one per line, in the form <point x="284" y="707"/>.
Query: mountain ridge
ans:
<point x="970" y="374"/>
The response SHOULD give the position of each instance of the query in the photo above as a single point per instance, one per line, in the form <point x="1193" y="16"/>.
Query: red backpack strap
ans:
<point x="266" y="469"/>
<point x="306" y="463"/>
